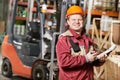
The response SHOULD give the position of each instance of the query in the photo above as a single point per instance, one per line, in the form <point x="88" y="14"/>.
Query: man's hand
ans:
<point x="91" y="56"/>
<point x="102" y="57"/>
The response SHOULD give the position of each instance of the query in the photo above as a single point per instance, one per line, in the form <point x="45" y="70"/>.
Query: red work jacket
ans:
<point x="73" y="67"/>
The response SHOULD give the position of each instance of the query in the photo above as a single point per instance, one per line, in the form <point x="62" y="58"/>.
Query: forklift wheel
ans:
<point x="6" y="68"/>
<point x="39" y="72"/>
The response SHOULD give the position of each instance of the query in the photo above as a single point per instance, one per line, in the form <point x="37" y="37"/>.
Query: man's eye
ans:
<point x="77" y="20"/>
<point x="80" y="19"/>
<point x="73" y="19"/>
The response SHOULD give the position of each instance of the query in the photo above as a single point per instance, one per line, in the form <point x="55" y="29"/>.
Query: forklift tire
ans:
<point x="39" y="72"/>
<point x="6" y="68"/>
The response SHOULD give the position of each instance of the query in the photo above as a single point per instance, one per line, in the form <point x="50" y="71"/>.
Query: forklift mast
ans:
<point x="11" y="18"/>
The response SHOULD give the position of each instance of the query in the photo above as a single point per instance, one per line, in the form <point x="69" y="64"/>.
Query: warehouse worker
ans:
<point x="76" y="65"/>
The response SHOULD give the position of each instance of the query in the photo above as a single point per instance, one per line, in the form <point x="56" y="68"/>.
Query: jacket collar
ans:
<point x="71" y="32"/>
<point x="76" y="35"/>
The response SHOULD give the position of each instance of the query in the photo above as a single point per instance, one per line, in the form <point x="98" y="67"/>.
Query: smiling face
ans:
<point x="75" y="22"/>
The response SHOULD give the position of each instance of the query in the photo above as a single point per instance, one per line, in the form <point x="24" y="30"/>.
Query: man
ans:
<point x="76" y="65"/>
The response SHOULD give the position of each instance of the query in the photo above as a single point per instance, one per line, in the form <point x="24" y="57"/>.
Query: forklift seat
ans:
<point x="33" y="34"/>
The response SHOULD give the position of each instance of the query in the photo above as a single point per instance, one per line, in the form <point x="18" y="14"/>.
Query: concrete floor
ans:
<point x="4" y="78"/>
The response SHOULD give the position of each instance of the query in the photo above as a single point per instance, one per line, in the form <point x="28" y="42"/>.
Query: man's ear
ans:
<point x="67" y="21"/>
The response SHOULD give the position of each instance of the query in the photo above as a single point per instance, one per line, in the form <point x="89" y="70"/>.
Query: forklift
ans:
<point x="24" y="55"/>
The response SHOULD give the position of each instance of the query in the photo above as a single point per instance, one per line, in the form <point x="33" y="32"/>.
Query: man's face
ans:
<point x="75" y="22"/>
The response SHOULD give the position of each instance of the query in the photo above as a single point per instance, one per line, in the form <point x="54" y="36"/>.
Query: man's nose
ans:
<point x="77" y="21"/>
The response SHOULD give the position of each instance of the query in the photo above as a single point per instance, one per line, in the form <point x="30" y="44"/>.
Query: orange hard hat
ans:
<point x="74" y="10"/>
